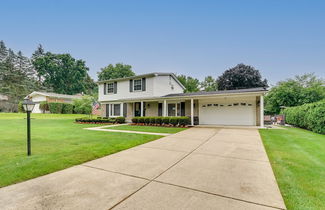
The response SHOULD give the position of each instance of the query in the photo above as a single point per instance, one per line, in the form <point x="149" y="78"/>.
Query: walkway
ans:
<point x="106" y="129"/>
<point x="199" y="168"/>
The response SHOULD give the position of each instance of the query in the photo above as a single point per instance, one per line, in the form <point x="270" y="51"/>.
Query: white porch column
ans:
<point x="176" y="109"/>
<point x="192" y="112"/>
<point x="165" y="108"/>
<point x="121" y="109"/>
<point x="141" y="108"/>
<point x="109" y="110"/>
<point x="133" y="109"/>
<point x="262" y="111"/>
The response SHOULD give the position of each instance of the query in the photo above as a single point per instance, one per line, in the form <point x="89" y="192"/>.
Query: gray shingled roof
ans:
<point x="203" y="93"/>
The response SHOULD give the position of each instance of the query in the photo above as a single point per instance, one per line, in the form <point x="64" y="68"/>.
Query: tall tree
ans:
<point x="120" y="70"/>
<point x="3" y="51"/>
<point x="39" y="52"/>
<point x="240" y="77"/>
<point x="191" y="84"/>
<point x="15" y="80"/>
<point x="294" y="92"/>
<point x="61" y="72"/>
<point x="209" y="84"/>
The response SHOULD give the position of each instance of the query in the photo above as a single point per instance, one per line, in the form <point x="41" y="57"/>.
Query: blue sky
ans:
<point x="281" y="38"/>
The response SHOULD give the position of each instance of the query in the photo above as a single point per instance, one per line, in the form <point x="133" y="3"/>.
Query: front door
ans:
<point x="137" y="109"/>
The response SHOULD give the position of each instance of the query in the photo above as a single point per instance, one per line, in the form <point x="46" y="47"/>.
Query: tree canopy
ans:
<point x="300" y="90"/>
<point x="209" y="84"/>
<point x="191" y="84"/>
<point x="17" y="77"/>
<point x="240" y="77"/>
<point x="62" y="73"/>
<point x="120" y="70"/>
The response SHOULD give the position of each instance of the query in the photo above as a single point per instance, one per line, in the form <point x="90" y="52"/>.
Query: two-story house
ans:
<point x="161" y="94"/>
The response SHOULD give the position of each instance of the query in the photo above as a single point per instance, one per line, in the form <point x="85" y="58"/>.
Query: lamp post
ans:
<point x="28" y="106"/>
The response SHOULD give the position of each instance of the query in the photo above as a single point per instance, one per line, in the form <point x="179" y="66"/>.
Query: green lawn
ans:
<point x="57" y="143"/>
<point x="153" y="129"/>
<point x="298" y="161"/>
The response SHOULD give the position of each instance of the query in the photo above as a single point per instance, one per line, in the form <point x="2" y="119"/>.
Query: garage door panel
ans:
<point x="212" y="113"/>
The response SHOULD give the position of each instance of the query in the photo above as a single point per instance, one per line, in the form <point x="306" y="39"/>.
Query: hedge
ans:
<point x="55" y="108"/>
<point x="309" y="116"/>
<point x="44" y="106"/>
<point x="162" y="120"/>
<point x="67" y="108"/>
<point x="99" y="120"/>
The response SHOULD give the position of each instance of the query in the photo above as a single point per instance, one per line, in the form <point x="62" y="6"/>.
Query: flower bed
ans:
<point x="100" y="120"/>
<point x="162" y="121"/>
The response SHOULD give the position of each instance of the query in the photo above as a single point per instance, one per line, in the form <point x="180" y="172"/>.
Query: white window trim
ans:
<point x="134" y="85"/>
<point x="107" y="88"/>
<point x="176" y="109"/>
<point x="112" y="110"/>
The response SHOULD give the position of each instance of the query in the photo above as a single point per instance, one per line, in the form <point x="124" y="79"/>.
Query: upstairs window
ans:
<point x="110" y="88"/>
<point x="137" y="84"/>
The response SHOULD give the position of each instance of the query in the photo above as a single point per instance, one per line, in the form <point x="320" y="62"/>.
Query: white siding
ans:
<point x="164" y="85"/>
<point x="37" y="99"/>
<point x="155" y="87"/>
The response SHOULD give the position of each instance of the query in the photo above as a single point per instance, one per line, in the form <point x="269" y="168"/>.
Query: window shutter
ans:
<point x="182" y="108"/>
<point x="105" y="89"/>
<point x="115" y="87"/>
<point x="125" y="110"/>
<point x="131" y="85"/>
<point x="143" y="84"/>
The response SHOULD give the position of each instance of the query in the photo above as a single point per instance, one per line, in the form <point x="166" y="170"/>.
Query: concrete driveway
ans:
<point x="200" y="168"/>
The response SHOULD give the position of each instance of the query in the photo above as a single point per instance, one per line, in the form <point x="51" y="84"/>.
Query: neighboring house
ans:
<point x="3" y="97"/>
<point x="38" y="97"/>
<point x="161" y="94"/>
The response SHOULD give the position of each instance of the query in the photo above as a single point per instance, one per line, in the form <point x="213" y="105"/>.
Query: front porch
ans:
<point x="152" y="108"/>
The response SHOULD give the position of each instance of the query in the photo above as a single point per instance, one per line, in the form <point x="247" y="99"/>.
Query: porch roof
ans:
<point x="204" y="93"/>
<point x="197" y="95"/>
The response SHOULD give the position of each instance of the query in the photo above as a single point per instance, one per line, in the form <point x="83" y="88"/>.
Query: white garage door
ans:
<point x="227" y="113"/>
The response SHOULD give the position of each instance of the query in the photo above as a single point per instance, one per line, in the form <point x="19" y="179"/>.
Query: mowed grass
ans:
<point x="298" y="161"/>
<point x="152" y="129"/>
<point x="57" y="143"/>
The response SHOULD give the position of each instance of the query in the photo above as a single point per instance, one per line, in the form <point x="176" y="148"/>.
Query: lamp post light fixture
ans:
<point x="28" y="107"/>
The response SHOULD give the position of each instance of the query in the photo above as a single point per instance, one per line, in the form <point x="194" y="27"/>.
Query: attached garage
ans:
<point x="228" y="111"/>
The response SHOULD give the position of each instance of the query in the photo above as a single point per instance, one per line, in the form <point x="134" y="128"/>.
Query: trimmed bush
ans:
<point x="21" y="107"/>
<point x="140" y="119"/>
<point x="158" y="120"/>
<point x="120" y="120"/>
<point x="174" y="121"/>
<point x="152" y="120"/>
<point x="135" y="119"/>
<point x="309" y="116"/>
<point x="165" y="120"/>
<point x="44" y="106"/>
<point x="67" y="108"/>
<point x="99" y="120"/>
<point x="55" y="108"/>
<point x="183" y="121"/>
<point x="146" y="120"/>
